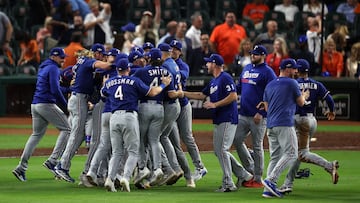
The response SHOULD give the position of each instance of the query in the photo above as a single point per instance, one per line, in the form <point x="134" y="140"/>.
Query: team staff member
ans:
<point x="305" y="123"/>
<point x="252" y="83"/>
<point x="124" y="91"/>
<point x="280" y="99"/>
<point x="82" y="88"/>
<point x="222" y="93"/>
<point x="44" y="110"/>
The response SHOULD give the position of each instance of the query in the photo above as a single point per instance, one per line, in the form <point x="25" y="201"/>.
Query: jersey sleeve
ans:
<point x="54" y="82"/>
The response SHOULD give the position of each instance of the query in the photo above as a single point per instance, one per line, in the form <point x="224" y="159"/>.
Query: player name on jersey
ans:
<point x="119" y="81"/>
<point x="158" y="71"/>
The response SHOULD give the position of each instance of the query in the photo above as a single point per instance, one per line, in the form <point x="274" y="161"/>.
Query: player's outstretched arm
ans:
<point x="194" y="95"/>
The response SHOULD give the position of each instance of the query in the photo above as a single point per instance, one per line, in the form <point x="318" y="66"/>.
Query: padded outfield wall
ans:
<point x="16" y="94"/>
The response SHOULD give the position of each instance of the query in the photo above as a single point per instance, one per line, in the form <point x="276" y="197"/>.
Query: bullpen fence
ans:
<point x="16" y="94"/>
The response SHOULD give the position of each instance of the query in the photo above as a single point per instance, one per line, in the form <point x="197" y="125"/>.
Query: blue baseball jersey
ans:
<point x="112" y="73"/>
<point x="170" y="65"/>
<point x="281" y="95"/>
<point x="151" y="75"/>
<point x="219" y="88"/>
<point x="252" y="83"/>
<point x="84" y="76"/>
<point x="48" y="84"/>
<point x="184" y="75"/>
<point x="134" y="68"/>
<point x="317" y="90"/>
<point x="124" y="92"/>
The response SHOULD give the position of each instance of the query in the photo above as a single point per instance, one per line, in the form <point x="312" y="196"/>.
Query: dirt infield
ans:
<point x="336" y="141"/>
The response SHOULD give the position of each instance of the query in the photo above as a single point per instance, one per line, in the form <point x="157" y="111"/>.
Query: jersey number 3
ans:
<point x="119" y="94"/>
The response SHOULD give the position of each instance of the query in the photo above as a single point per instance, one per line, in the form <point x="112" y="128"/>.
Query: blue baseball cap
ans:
<point x="135" y="55"/>
<point x="215" y="58"/>
<point x="98" y="48"/>
<point x="259" y="50"/>
<point x="122" y="64"/>
<point x="303" y="65"/>
<point x="130" y="27"/>
<point x="137" y="48"/>
<point x="155" y="54"/>
<point x="164" y="47"/>
<point x="302" y="39"/>
<point x="288" y="63"/>
<point x="57" y="51"/>
<point x="113" y="52"/>
<point x="176" y="44"/>
<point x="148" y="45"/>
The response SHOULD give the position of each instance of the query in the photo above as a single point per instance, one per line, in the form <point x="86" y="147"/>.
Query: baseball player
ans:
<point x="252" y="83"/>
<point x="280" y="99"/>
<point x="183" y="126"/>
<point x="305" y="123"/>
<point x="97" y="106"/>
<point x="124" y="91"/>
<point x="82" y="88"/>
<point x="172" y="109"/>
<point x="137" y="61"/>
<point x="44" y="111"/>
<point x="151" y="116"/>
<point x="222" y="93"/>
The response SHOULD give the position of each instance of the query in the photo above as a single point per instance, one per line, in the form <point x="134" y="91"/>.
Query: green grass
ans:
<point x="321" y="128"/>
<point x="41" y="187"/>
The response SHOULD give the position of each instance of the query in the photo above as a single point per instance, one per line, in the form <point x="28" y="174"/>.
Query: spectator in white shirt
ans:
<point x="194" y="32"/>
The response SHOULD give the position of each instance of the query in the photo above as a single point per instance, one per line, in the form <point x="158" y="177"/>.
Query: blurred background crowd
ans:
<point x="326" y="33"/>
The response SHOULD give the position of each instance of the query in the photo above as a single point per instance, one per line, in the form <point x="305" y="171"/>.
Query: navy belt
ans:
<point x="304" y="114"/>
<point x="151" y="101"/>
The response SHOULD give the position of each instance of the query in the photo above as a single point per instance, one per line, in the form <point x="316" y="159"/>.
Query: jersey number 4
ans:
<point x="119" y="94"/>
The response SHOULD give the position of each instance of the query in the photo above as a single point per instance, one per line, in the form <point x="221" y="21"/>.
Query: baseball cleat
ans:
<point x="272" y="188"/>
<point x="156" y="177"/>
<point x="285" y="189"/>
<point x="51" y="167"/>
<point x="109" y="185"/>
<point x="190" y="183"/>
<point x="20" y="175"/>
<point x="229" y="189"/>
<point x="334" y="171"/>
<point x="267" y="194"/>
<point x="199" y="173"/>
<point x="91" y="178"/>
<point x="142" y="173"/>
<point x="125" y="184"/>
<point x="64" y="174"/>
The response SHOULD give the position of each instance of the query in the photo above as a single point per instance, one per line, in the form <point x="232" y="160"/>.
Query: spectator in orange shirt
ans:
<point x="30" y="53"/>
<point x="255" y="11"/>
<point x="332" y="64"/>
<point x="72" y="49"/>
<point x="280" y="52"/>
<point x="225" y="38"/>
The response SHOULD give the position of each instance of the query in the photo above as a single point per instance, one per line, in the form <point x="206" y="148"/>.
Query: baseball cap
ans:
<point x="303" y="65"/>
<point x="135" y="55"/>
<point x="288" y="63"/>
<point x="147" y="13"/>
<point x="215" y="58"/>
<point x="164" y="47"/>
<point x="148" y="45"/>
<point x="130" y="27"/>
<point x="302" y="39"/>
<point x="57" y="51"/>
<point x="155" y="54"/>
<point x="177" y="44"/>
<point x="259" y="50"/>
<point x="122" y="64"/>
<point x="113" y="52"/>
<point x="98" y="48"/>
<point x="137" y="48"/>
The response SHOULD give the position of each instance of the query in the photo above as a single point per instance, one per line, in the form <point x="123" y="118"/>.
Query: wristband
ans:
<point x="162" y="85"/>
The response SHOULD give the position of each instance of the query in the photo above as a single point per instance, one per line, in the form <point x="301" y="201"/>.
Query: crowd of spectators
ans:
<point x="29" y="28"/>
